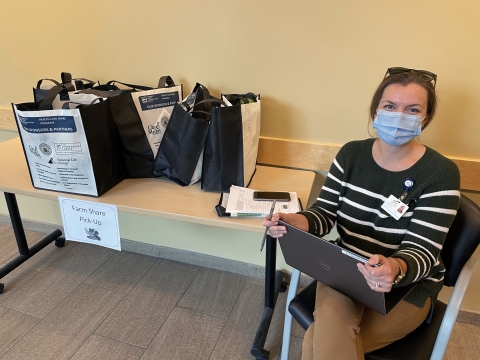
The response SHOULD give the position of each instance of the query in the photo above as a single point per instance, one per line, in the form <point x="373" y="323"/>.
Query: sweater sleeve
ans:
<point x="322" y="215"/>
<point x="433" y="215"/>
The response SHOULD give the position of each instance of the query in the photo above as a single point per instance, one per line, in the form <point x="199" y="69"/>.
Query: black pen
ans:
<point x="266" y="228"/>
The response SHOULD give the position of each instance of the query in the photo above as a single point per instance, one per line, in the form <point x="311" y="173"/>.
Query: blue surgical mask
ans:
<point x="397" y="128"/>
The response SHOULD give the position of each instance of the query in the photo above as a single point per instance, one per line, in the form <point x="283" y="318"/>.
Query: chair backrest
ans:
<point x="462" y="239"/>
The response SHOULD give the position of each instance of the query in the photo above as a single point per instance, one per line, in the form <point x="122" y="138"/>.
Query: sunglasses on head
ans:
<point x="427" y="75"/>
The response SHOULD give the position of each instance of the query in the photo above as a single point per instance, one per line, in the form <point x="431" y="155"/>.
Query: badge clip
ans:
<point x="407" y="184"/>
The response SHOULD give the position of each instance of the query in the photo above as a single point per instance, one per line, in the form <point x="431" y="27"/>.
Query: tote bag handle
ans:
<point x="134" y="87"/>
<point x="39" y="83"/>
<point x="67" y="81"/>
<point x="47" y="101"/>
<point x="165" y="82"/>
<point x="192" y="110"/>
<point x="207" y="101"/>
<point x="82" y="83"/>
<point x="100" y="93"/>
<point x="66" y="104"/>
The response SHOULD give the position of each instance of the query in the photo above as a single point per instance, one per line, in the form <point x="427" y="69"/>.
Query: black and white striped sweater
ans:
<point x="352" y="196"/>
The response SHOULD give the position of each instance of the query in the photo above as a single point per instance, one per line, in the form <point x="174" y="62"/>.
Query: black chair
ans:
<point x="428" y="341"/>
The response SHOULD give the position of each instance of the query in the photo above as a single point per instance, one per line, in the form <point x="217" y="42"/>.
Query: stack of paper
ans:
<point x="240" y="203"/>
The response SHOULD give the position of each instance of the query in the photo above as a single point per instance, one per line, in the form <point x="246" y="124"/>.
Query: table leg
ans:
<point x="23" y="249"/>
<point x="17" y="223"/>
<point x="273" y="284"/>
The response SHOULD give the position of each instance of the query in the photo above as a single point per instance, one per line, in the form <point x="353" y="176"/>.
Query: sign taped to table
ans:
<point x="90" y="222"/>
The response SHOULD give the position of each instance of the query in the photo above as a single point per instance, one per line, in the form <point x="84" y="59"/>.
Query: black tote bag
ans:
<point x="231" y="146"/>
<point x="180" y="157"/>
<point x="70" y="150"/>
<point x="141" y="118"/>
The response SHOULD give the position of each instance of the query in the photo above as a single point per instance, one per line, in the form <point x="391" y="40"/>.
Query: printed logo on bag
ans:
<point x="164" y="121"/>
<point x="48" y="124"/>
<point x="154" y="129"/>
<point x="190" y="100"/>
<point x="34" y="150"/>
<point x="155" y="101"/>
<point x="45" y="149"/>
<point x="68" y="148"/>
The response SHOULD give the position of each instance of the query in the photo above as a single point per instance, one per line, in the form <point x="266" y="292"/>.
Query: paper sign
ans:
<point x="90" y="222"/>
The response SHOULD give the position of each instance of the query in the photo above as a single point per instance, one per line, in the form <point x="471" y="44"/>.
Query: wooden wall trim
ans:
<point x="319" y="156"/>
<point x="296" y="153"/>
<point x="469" y="173"/>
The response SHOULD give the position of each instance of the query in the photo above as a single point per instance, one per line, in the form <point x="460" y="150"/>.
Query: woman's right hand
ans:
<point x="274" y="229"/>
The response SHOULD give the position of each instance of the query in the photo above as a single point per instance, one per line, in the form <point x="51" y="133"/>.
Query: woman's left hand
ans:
<point x="379" y="272"/>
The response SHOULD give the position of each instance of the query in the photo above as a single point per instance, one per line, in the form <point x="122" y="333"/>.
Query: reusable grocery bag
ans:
<point x="70" y="150"/>
<point x="141" y="118"/>
<point x="180" y="155"/>
<point x="231" y="147"/>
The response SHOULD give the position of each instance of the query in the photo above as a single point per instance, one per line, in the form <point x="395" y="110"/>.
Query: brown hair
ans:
<point x="405" y="79"/>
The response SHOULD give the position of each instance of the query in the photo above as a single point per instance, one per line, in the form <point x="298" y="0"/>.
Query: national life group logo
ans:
<point x="45" y="149"/>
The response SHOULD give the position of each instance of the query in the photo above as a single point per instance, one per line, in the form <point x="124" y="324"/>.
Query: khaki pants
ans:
<point x="345" y="329"/>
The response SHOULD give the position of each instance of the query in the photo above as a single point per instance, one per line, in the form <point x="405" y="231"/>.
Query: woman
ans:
<point x="393" y="200"/>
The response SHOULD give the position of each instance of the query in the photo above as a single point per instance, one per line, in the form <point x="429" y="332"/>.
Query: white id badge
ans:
<point x="394" y="207"/>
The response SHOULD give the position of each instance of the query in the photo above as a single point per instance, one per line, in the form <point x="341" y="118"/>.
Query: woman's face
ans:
<point x="411" y="99"/>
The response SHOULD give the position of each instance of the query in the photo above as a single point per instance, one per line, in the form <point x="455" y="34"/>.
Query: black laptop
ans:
<point x="336" y="267"/>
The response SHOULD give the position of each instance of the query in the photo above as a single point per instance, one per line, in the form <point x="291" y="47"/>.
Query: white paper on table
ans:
<point x="240" y="202"/>
<point x="225" y="200"/>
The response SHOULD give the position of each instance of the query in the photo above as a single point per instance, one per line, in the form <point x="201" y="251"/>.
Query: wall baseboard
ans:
<point x="251" y="270"/>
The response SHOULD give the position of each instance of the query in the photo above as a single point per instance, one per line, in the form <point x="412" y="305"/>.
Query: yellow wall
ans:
<point x="316" y="63"/>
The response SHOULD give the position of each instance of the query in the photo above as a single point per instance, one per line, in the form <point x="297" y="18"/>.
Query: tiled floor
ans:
<point x="87" y="302"/>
